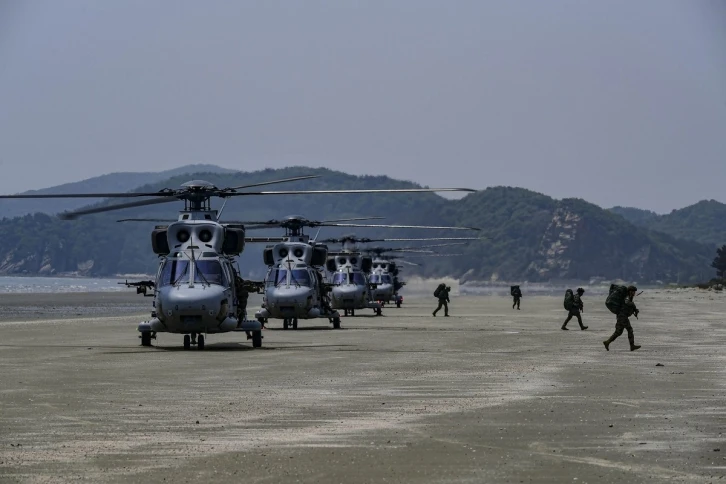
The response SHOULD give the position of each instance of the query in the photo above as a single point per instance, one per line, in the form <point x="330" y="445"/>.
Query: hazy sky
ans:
<point x="618" y="102"/>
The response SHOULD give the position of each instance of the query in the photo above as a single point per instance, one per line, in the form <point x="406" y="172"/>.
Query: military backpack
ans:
<point x="569" y="299"/>
<point x="514" y="291"/>
<point x="616" y="298"/>
<point x="438" y="290"/>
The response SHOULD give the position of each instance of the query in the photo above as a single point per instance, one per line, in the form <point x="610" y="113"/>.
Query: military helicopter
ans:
<point x="385" y="270"/>
<point x="194" y="289"/>
<point x="350" y="271"/>
<point x="295" y="287"/>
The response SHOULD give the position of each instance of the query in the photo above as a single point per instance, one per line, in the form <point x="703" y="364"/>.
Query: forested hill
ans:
<point x="703" y="222"/>
<point x="113" y="182"/>
<point x="529" y="236"/>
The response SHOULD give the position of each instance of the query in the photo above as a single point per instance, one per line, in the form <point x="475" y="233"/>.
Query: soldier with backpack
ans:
<point x="574" y="305"/>
<point x="620" y="302"/>
<point x="516" y="294"/>
<point x="442" y="293"/>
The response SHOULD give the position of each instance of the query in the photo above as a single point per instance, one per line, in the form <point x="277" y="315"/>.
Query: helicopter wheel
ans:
<point x="398" y="304"/>
<point x="187" y="341"/>
<point x="336" y="323"/>
<point x="294" y="323"/>
<point x="352" y="312"/>
<point x="200" y="342"/>
<point x="146" y="338"/>
<point x="285" y="324"/>
<point x="379" y="312"/>
<point x="257" y="339"/>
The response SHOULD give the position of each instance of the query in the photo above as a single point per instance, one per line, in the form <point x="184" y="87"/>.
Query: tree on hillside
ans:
<point x="719" y="263"/>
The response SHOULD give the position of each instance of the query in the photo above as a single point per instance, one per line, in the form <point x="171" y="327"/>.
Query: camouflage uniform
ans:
<point x="577" y="306"/>
<point x="443" y="300"/>
<point x="517" y="296"/>
<point x="623" y="323"/>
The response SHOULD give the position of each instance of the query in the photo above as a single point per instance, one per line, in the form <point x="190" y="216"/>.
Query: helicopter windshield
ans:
<point x="277" y="277"/>
<point x="376" y="279"/>
<point x="300" y="277"/>
<point x="386" y="279"/>
<point x="209" y="271"/>
<point x="357" y="278"/>
<point x="339" y="278"/>
<point x="174" y="271"/>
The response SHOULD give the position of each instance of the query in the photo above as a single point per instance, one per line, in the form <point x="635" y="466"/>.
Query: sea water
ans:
<point x="15" y="284"/>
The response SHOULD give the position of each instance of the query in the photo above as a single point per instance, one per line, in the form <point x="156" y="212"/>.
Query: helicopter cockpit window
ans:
<point x="277" y="277"/>
<point x="339" y="278"/>
<point x="386" y="279"/>
<point x="209" y="271"/>
<point x="376" y="279"/>
<point x="357" y="278"/>
<point x="300" y="277"/>
<point x="174" y="271"/>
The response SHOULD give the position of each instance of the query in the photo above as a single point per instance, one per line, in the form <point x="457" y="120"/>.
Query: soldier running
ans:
<point x="623" y="322"/>
<point x="443" y="301"/>
<point x="577" y="307"/>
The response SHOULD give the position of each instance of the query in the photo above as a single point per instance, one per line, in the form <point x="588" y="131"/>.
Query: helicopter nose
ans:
<point x="290" y="296"/>
<point x="191" y="301"/>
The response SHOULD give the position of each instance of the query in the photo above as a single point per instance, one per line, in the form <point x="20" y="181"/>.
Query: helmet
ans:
<point x="632" y="288"/>
<point x="580" y="290"/>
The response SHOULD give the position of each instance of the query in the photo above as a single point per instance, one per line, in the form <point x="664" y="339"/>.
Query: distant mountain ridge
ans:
<point x="112" y="182"/>
<point x="703" y="222"/>
<point x="529" y="236"/>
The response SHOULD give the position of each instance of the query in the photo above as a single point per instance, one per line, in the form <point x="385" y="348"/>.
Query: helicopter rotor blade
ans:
<point x="351" y="219"/>
<point x="366" y="240"/>
<point x="141" y="203"/>
<point x="322" y="192"/>
<point x="163" y="193"/>
<point x="262" y="240"/>
<point x="167" y="221"/>
<point x="284" y="180"/>
<point x="405" y="226"/>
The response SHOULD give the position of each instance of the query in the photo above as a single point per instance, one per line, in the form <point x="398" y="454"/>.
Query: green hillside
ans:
<point x="113" y="182"/>
<point x="529" y="235"/>
<point x="703" y="222"/>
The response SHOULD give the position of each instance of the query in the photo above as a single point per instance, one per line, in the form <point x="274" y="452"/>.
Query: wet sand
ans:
<point x="487" y="395"/>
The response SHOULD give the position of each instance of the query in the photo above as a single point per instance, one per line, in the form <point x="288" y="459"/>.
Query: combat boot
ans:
<point x="634" y="347"/>
<point x="583" y="328"/>
<point x="564" y="327"/>
<point x="607" y="344"/>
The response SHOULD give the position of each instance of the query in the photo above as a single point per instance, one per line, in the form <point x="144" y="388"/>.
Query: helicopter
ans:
<point x="350" y="272"/>
<point x="295" y="281"/>
<point x="385" y="271"/>
<point x="194" y="289"/>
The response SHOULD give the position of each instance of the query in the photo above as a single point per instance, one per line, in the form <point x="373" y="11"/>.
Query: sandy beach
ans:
<point x="490" y="394"/>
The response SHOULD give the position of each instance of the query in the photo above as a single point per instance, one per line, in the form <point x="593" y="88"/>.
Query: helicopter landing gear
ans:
<point x="294" y="323"/>
<point x="257" y="339"/>
<point x="285" y="323"/>
<point x="379" y="312"/>
<point x="336" y="323"/>
<point x="398" y="304"/>
<point x="146" y="338"/>
<point x="194" y="338"/>
<point x="187" y="342"/>
<point x="200" y="342"/>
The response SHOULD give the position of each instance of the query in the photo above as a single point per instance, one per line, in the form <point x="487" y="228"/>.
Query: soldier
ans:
<point x="622" y="322"/>
<point x="443" y="300"/>
<point x="577" y="307"/>
<point x="242" y="296"/>
<point x="517" y="295"/>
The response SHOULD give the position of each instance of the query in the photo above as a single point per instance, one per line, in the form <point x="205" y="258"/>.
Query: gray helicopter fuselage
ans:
<point x="351" y="288"/>
<point x="195" y="284"/>
<point x="293" y="287"/>
<point x="383" y="281"/>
